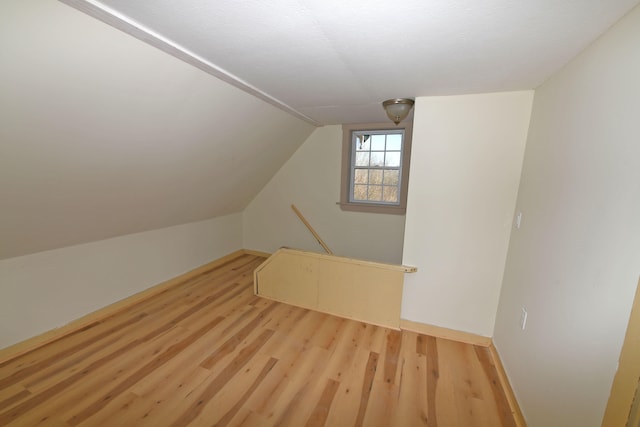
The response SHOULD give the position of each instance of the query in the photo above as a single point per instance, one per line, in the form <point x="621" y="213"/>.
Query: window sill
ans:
<point x="370" y="208"/>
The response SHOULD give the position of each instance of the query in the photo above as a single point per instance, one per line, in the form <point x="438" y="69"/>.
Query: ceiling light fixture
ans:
<point x="398" y="109"/>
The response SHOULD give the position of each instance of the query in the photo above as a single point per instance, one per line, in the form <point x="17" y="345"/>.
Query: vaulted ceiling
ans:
<point x="102" y="134"/>
<point x="335" y="61"/>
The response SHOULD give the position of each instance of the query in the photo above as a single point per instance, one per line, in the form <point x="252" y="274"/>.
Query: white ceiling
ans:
<point x="335" y="61"/>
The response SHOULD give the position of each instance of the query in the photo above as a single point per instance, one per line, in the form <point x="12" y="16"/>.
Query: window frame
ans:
<point x="346" y="184"/>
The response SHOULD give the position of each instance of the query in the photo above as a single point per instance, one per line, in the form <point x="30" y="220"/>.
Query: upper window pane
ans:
<point x="377" y="158"/>
<point x="362" y="159"/>
<point x="394" y="142"/>
<point x="363" y="142"/>
<point x="392" y="159"/>
<point x="377" y="142"/>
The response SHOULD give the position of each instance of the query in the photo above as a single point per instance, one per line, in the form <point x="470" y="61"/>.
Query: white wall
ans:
<point x="311" y="181"/>
<point x="466" y="162"/>
<point x="49" y="289"/>
<point x="575" y="262"/>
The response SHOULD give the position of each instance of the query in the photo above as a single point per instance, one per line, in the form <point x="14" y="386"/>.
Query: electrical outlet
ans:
<point x="518" y="220"/>
<point x="523" y="318"/>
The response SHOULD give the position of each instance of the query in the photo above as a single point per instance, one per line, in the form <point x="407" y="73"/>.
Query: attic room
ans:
<point x="142" y="141"/>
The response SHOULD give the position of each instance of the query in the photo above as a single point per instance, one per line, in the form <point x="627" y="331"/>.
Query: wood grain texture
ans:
<point x="623" y="406"/>
<point x="312" y="230"/>
<point x="207" y="352"/>
<point x="449" y="334"/>
<point x="494" y="368"/>
<point x="355" y="289"/>
<point x="90" y="319"/>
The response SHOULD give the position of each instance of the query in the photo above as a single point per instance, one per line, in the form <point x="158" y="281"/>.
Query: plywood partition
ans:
<point x="347" y="287"/>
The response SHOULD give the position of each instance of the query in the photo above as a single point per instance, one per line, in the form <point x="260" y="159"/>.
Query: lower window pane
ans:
<point x="375" y="176"/>
<point x="390" y="194"/>
<point x="361" y="176"/>
<point x="391" y="177"/>
<point x="359" y="192"/>
<point x="375" y="193"/>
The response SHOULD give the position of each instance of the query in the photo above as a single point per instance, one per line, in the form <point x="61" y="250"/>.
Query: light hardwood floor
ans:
<point x="208" y="352"/>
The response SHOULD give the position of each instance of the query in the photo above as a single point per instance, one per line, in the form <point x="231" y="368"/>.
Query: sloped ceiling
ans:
<point x="103" y="135"/>
<point x="335" y="61"/>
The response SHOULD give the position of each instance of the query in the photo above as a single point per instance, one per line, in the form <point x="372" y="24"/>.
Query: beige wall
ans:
<point x="575" y="262"/>
<point x="102" y="135"/>
<point x="46" y="290"/>
<point x="311" y="181"/>
<point x="466" y="162"/>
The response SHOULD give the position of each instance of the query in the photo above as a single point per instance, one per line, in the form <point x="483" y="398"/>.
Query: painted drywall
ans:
<point x="311" y="181"/>
<point x="575" y="262"/>
<point x="337" y="60"/>
<point x="466" y="163"/>
<point x="49" y="289"/>
<point x="102" y="135"/>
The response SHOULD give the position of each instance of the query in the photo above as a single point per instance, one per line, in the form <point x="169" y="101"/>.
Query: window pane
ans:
<point x="377" y="142"/>
<point x="394" y="142"/>
<point x="377" y="158"/>
<point x="362" y="158"/>
<point x="390" y="194"/>
<point x="375" y="192"/>
<point x="361" y="176"/>
<point x="359" y="192"/>
<point x="362" y="142"/>
<point x="391" y="177"/>
<point x="375" y="176"/>
<point x="392" y="159"/>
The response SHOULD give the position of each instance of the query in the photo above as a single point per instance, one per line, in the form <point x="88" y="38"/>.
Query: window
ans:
<point x="375" y="168"/>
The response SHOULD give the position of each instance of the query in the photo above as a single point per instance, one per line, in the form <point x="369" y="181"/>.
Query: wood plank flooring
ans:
<point x="207" y="352"/>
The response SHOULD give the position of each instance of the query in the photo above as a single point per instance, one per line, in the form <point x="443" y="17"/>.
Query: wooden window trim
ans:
<point x="345" y="204"/>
